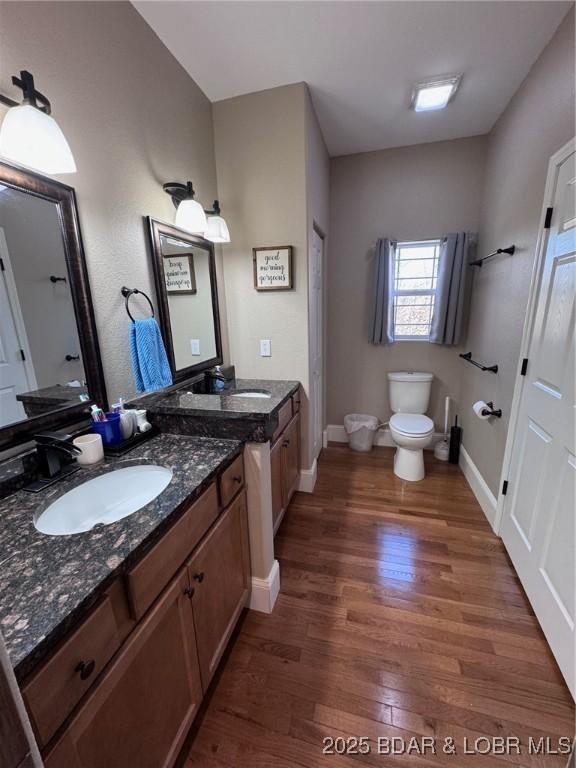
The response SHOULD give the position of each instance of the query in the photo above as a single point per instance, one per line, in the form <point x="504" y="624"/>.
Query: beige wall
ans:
<point x="134" y="119"/>
<point x="260" y="151"/>
<point x="411" y="193"/>
<point x="537" y="122"/>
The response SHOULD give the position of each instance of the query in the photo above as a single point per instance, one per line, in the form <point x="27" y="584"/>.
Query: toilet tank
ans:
<point x="409" y="391"/>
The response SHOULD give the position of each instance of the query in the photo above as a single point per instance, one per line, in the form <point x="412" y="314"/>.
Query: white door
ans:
<point x="538" y="519"/>
<point x="316" y="342"/>
<point x="14" y="350"/>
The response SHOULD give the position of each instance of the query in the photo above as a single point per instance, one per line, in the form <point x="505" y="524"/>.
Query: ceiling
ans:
<point x="361" y="59"/>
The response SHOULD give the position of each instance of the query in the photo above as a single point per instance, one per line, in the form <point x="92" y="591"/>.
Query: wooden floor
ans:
<point x="400" y="615"/>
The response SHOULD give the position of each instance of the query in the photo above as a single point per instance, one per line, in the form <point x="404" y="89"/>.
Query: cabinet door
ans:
<point x="219" y="575"/>
<point x="291" y="443"/>
<point x="277" y="474"/>
<point x="142" y="709"/>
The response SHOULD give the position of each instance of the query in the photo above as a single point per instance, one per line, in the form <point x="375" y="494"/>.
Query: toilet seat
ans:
<point x="412" y="424"/>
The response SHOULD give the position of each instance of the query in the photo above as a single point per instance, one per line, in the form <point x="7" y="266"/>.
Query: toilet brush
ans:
<point x="441" y="449"/>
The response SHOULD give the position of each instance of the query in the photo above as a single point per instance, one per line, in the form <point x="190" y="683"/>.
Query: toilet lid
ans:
<point x="412" y="423"/>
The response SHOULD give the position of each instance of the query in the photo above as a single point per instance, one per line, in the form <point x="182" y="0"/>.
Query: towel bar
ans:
<point x="509" y="250"/>
<point x="468" y="357"/>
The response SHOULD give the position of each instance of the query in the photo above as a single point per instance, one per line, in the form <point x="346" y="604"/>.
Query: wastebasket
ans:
<point x="360" y="428"/>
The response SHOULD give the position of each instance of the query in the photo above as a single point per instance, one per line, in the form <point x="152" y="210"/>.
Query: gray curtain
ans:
<point x="382" y="316"/>
<point x="452" y="303"/>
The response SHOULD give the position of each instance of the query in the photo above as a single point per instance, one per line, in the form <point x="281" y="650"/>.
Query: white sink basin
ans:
<point x="254" y="394"/>
<point x="104" y="499"/>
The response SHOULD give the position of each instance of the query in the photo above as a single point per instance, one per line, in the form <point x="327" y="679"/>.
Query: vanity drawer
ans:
<point x="55" y="690"/>
<point x="284" y="416"/>
<point x="149" y="577"/>
<point x="231" y="480"/>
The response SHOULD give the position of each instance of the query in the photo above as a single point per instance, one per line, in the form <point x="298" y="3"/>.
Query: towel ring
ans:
<point x="127" y="292"/>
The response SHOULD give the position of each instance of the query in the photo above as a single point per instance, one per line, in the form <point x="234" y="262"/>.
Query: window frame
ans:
<point x="435" y="242"/>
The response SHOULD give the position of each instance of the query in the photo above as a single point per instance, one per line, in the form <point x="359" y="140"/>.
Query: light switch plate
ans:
<point x="195" y="346"/>
<point x="265" y="348"/>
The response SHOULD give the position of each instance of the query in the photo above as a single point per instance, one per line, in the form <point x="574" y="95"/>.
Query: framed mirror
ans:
<point x="50" y="365"/>
<point x="187" y="294"/>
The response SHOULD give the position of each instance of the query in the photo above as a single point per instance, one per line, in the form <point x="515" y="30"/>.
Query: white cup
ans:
<point x="127" y="426"/>
<point x="91" y="447"/>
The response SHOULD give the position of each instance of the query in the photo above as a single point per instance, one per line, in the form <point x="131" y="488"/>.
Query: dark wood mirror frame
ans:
<point x="156" y="230"/>
<point x="64" y="198"/>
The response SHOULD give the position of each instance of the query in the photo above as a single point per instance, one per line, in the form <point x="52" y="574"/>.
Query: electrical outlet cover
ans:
<point x="195" y="346"/>
<point x="265" y="348"/>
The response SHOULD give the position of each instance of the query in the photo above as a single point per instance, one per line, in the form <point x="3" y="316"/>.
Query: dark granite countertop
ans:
<point x="58" y="393"/>
<point x="48" y="582"/>
<point x="221" y="415"/>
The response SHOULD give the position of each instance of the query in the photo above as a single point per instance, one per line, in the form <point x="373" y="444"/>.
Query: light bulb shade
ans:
<point x="191" y="217"/>
<point x="217" y="231"/>
<point x="34" y="139"/>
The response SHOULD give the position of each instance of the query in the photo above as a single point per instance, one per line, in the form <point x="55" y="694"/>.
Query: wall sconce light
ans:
<point x="30" y="136"/>
<point x="191" y="216"/>
<point x="217" y="231"/>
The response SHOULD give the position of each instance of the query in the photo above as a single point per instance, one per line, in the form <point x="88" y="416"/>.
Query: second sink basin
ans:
<point x="255" y="393"/>
<point x="104" y="499"/>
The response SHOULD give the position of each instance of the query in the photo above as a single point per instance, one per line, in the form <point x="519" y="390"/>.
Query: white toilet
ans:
<point x="410" y="428"/>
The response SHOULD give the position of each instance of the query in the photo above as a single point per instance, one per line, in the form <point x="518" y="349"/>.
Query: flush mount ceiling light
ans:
<point x="30" y="136"/>
<point x="435" y="94"/>
<point x="191" y="216"/>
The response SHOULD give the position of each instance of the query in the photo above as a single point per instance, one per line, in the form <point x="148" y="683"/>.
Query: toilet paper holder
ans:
<point x="491" y="411"/>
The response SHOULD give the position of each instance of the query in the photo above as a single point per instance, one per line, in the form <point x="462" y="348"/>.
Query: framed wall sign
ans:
<point x="179" y="274"/>
<point x="273" y="268"/>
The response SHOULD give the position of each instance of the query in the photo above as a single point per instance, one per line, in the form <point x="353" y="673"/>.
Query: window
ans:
<point x="414" y="289"/>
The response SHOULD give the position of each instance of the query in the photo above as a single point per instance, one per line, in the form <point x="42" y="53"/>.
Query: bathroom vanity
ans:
<point x="269" y="428"/>
<point x="115" y="634"/>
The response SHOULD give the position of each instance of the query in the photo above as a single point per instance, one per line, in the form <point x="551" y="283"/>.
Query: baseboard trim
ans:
<point x="480" y="489"/>
<point x="265" y="591"/>
<point x="337" y="434"/>
<point x="307" y="481"/>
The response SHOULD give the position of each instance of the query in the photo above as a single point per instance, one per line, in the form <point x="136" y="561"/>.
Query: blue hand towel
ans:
<point x="149" y="361"/>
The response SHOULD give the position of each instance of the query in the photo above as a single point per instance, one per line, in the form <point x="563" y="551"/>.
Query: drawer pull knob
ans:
<point x="199" y="577"/>
<point x="85" y="668"/>
<point x="189" y="592"/>
<point x="237" y="478"/>
<point x="286" y="443"/>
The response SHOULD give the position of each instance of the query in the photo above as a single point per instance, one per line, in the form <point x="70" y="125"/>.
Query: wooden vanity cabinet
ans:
<point x="152" y="643"/>
<point x="148" y="577"/>
<point x="285" y="468"/>
<point x="219" y="574"/>
<point x="277" y="477"/>
<point x="291" y="445"/>
<point x="58" y="686"/>
<point x="141" y="710"/>
<point x="230" y="481"/>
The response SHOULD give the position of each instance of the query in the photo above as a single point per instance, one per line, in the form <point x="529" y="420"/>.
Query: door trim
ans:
<point x="541" y="245"/>
<point x="318" y="231"/>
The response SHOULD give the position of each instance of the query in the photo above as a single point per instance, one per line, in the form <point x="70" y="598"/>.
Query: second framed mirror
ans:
<point x="187" y="293"/>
